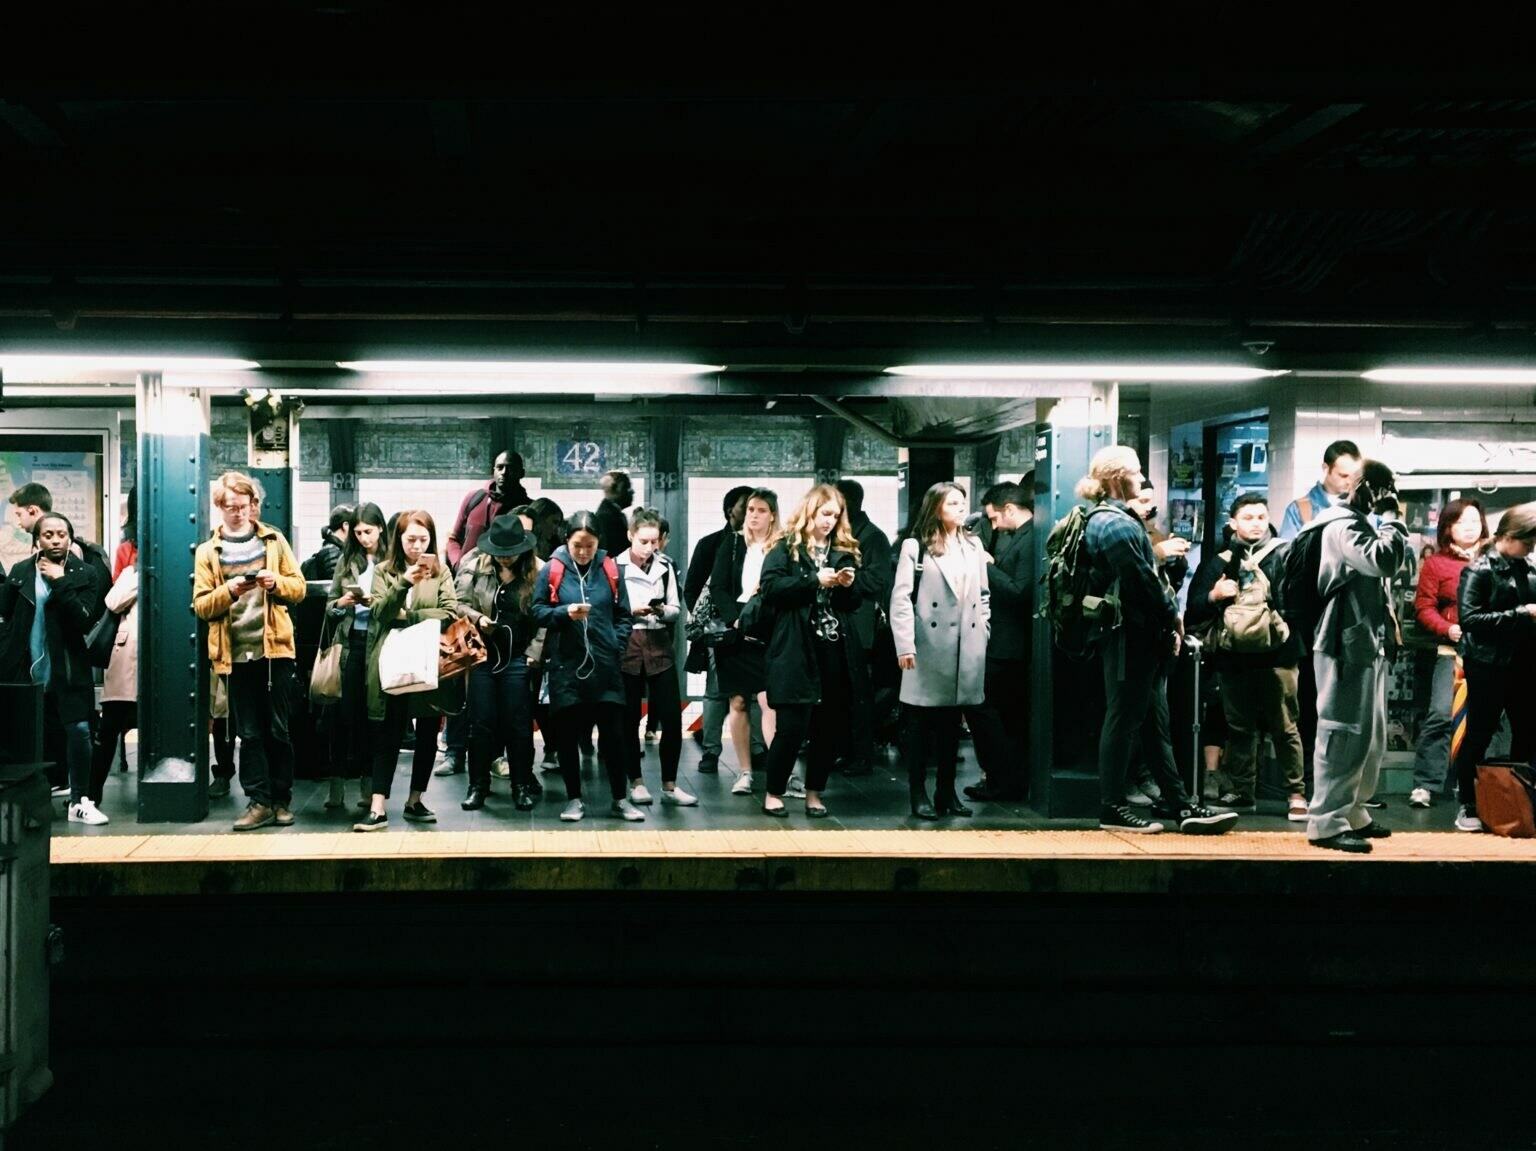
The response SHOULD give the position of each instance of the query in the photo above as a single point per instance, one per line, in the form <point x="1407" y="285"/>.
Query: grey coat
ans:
<point x="948" y="636"/>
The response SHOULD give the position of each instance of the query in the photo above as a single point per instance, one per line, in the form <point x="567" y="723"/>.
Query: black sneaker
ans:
<point x="1126" y="818"/>
<point x="1196" y="820"/>
<point x="708" y="764"/>
<point x="1345" y="841"/>
<point x="372" y="822"/>
<point x="419" y="812"/>
<point x="1372" y="831"/>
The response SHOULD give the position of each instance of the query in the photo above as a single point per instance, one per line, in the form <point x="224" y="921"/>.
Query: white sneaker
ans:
<point x="625" y="810"/>
<point x="1419" y="797"/>
<point x="1466" y="820"/>
<point x="743" y="785"/>
<point x="680" y="797"/>
<point x="61" y="790"/>
<point x="1142" y="795"/>
<point x="573" y="811"/>
<point x="796" y="788"/>
<point x="501" y="769"/>
<point x="85" y="812"/>
<point x="639" y="794"/>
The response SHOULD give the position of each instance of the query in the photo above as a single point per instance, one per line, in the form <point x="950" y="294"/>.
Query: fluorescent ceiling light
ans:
<point x="1189" y="373"/>
<point x="554" y="368"/>
<point x="38" y="369"/>
<point x="1452" y="375"/>
<point x="69" y="392"/>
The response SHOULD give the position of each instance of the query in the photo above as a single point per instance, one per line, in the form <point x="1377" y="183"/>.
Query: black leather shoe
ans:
<point x="951" y="805"/>
<point x="1373" y="831"/>
<point x="981" y="792"/>
<point x="525" y="798"/>
<point x="921" y="808"/>
<point x="475" y="800"/>
<point x="708" y="764"/>
<point x="1344" y="841"/>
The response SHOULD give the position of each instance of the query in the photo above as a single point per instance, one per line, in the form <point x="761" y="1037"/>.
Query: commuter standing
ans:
<point x="579" y="599"/>
<point x="1255" y="666"/>
<point x="1498" y="647"/>
<point x="1341" y="463"/>
<point x="350" y="610"/>
<point x="120" y="684"/>
<point x="939" y="619"/>
<point x="495" y="590"/>
<point x="872" y="585"/>
<point x="479" y="507"/>
<point x="741" y="663"/>
<point x="1137" y="645"/>
<point x="32" y="501"/>
<point x="1359" y="548"/>
<point x="321" y="567"/>
<point x="701" y="657"/>
<point x="612" y="523"/>
<point x="48" y="604"/>
<point x="410" y="586"/>
<point x="807" y="584"/>
<point x="246" y="576"/>
<point x="1462" y="531"/>
<point x="649" y="662"/>
<point x="1000" y="727"/>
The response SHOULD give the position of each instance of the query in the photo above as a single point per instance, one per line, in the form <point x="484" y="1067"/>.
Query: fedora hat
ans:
<point x="505" y="538"/>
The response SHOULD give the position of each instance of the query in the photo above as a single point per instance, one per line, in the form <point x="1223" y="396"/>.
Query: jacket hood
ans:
<point x="1330" y="515"/>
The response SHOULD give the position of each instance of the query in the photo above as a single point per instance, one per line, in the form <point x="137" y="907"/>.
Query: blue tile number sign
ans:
<point x="580" y="458"/>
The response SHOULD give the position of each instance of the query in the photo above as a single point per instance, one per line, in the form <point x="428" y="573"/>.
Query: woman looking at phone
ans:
<point x="650" y="662"/>
<point x="409" y="585"/>
<point x="807" y="587"/>
<point x="350" y="607"/>
<point x="579" y="598"/>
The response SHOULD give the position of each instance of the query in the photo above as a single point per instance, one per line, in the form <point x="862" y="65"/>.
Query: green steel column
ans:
<point x="669" y="495"/>
<point x="173" y="667"/>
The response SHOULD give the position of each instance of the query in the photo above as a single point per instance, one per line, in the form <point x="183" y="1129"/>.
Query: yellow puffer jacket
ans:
<point x="211" y="598"/>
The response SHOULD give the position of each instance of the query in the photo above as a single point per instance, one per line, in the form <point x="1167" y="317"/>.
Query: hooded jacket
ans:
<point x="1358" y="562"/>
<point x="581" y="657"/>
<point x="211" y="597"/>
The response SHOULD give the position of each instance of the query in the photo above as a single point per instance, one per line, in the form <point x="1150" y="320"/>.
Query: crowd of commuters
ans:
<point x="809" y="628"/>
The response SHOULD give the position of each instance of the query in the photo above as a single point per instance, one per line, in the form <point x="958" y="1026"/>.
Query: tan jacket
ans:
<point x="211" y="598"/>
<point x="121" y="682"/>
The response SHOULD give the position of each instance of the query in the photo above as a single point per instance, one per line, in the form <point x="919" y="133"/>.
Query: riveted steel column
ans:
<point x="173" y="666"/>
<point x="669" y="496"/>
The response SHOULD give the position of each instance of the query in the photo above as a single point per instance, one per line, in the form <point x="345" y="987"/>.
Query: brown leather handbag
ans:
<point x="460" y="649"/>
<point x="1504" y="798"/>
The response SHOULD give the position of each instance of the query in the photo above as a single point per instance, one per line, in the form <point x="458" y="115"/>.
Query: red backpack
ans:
<point x="557" y="574"/>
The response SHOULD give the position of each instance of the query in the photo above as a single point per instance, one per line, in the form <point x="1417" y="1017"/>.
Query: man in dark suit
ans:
<point x="716" y="706"/>
<point x="612" y="523"/>
<point x="873" y="584"/>
<point x="1000" y="727"/>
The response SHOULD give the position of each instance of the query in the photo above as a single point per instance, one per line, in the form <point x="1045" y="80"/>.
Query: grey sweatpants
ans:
<point x="1351" y="740"/>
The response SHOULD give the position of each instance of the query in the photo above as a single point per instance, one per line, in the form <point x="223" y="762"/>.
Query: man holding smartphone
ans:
<point x="246" y="576"/>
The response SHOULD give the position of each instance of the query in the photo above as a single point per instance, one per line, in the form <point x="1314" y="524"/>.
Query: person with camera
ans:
<point x="807" y="588"/>
<point x="1235" y="599"/>
<point x="1498" y="649"/>
<point x="1358" y="547"/>
<point x="245" y="578"/>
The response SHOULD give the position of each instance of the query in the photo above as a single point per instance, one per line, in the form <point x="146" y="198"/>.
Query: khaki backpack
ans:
<point x="1251" y="622"/>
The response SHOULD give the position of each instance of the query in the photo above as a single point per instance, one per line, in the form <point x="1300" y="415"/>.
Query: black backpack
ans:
<point x="1301" y="603"/>
<point x="1077" y="620"/>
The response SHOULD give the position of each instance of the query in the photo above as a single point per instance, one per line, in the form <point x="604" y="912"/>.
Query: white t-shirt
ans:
<point x="751" y="571"/>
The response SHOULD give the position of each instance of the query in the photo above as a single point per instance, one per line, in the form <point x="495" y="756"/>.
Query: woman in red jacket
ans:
<point x="1463" y="529"/>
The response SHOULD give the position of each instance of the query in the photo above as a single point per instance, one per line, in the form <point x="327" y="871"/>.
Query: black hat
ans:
<point x="505" y="538"/>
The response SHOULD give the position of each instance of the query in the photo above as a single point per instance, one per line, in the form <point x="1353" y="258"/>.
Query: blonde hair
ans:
<point x="1518" y="523"/>
<point x="1109" y="472"/>
<point x="797" y="529"/>
<point x="769" y="498"/>
<point x="235" y="483"/>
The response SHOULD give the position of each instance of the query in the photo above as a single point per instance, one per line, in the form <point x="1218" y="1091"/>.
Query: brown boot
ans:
<point x="256" y="815"/>
<point x="282" y="816"/>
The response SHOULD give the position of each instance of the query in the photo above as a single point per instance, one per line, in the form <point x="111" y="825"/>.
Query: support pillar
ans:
<point x="830" y="436"/>
<point x="342" y="438"/>
<point x="669" y="496"/>
<point x="173" y="428"/>
<point x="1068" y="703"/>
<point x="918" y="469"/>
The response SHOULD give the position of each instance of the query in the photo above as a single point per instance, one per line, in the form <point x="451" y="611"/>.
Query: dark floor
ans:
<point x="871" y="802"/>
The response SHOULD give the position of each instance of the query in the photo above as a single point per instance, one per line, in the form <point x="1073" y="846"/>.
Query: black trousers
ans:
<point x="665" y="712"/>
<point x="259" y="692"/>
<point x="932" y="733"/>
<point x="861" y="709"/>
<point x="352" y="711"/>
<point x="118" y="718"/>
<point x="223" y="749"/>
<point x="1306" y="712"/>
<point x="823" y="728"/>
<point x="1000" y="726"/>
<point x="1491" y="693"/>
<point x="501" y="703"/>
<point x="68" y="747"/>
<point x="1136" y="714"/>
<point x="572" y="723"/>
<point x="389" y="735"/>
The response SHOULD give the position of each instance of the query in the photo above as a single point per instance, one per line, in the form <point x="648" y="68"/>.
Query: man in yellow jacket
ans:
<point x="246" y="577"/>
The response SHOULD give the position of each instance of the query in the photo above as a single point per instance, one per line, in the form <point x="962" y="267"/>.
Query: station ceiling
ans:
<point x="1322" y="220"/>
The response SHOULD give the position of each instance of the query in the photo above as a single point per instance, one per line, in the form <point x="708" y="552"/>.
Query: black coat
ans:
<point x="789" y="590"/>
<point x="73" y="607"/>
<point x="1012" y="581"/>
<point x="725" y="580"/>
<point x="322" y="565"/>
<point x="702" y="566"/>
<point x="1493" y="629"/>
<point x="1201" y="611"/>
<point x="612" y="528"/>
<point x="876" y="573"/>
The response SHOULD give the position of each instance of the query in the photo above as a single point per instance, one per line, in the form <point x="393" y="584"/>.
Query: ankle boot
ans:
<point x="921" y="808"/>
<point x="475" y="799"/>
<point x="945" y="802"/>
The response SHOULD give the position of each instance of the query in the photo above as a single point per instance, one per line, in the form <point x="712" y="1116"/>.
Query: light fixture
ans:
<point x="66" y="369"/>
<point x="1183" y="373"/>
<point x="549" y="368"/>
<point x="1452" y="375"/>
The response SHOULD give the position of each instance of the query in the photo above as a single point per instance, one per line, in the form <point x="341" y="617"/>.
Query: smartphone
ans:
<point x="428" y="561"/>
<point x="658" y="603"/>
<point x="356" y="592"/>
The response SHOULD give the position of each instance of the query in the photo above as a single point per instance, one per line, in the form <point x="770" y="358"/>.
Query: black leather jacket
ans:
<point x="1493" y="628"/>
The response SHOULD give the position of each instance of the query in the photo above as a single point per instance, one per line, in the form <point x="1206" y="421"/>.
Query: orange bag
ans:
<point x="460" y="649"/>
<point x="1504" y="791"/>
